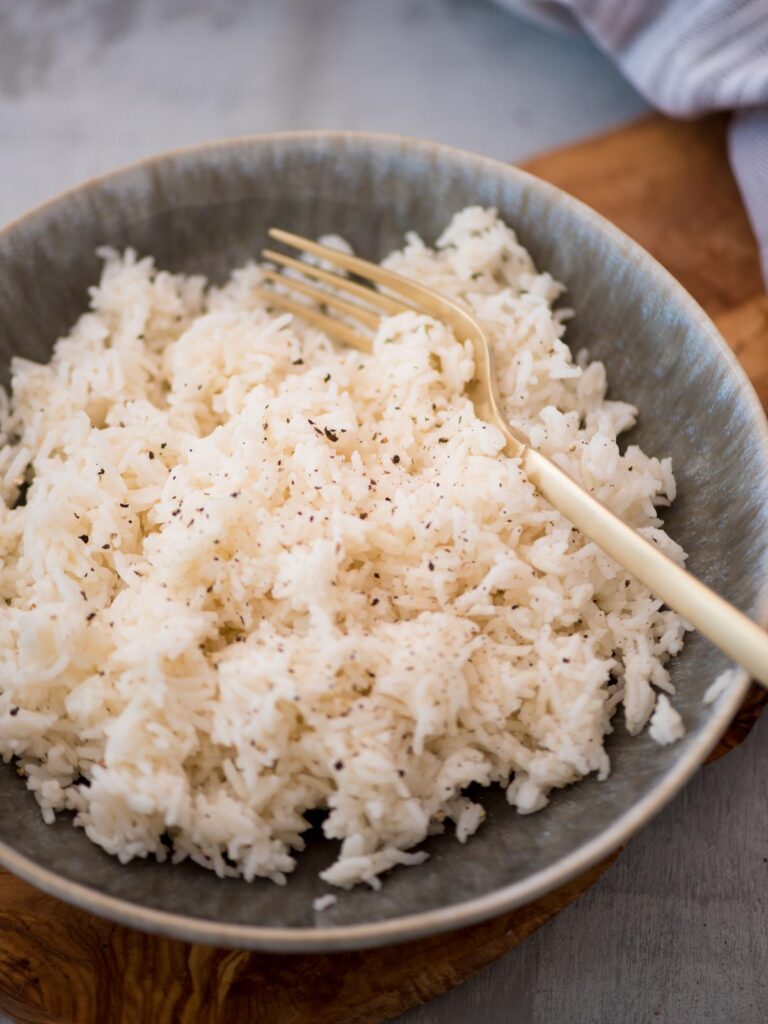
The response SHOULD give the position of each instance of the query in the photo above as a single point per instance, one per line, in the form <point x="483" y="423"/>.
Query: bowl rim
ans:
<point x="330" y="938"/>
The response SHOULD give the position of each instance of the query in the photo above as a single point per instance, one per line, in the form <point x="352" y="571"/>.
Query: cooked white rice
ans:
<point x="257" y="573"/>
<point x="722" y="684"/>
<point x="666" y="723"/>
<point x="324" y="902"/>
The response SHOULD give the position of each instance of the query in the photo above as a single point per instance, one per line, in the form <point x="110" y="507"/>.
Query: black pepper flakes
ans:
<point x="13" y="712"/>
<point x="395" y="459"/>
<point x="84" y="538"/>
<point x="331" y="434"/>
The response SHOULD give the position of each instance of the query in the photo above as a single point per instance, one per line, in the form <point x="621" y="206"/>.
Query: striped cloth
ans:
<point x="688" y="57"/>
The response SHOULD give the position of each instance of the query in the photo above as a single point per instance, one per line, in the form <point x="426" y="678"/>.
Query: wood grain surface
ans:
<point x="666" y="184"/>
<point x="669" y="186"/>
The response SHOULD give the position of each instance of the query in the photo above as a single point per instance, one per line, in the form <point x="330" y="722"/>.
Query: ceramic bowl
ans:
<point x="206" y="210"/>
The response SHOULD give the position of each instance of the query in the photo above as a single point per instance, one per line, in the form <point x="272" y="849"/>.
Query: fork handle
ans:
<point x="727" y="627"/>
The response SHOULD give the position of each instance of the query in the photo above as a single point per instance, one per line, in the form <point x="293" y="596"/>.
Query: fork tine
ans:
<point x="423" y="298"/>
<point x="373" y="298"/>
<point x="365" y="316"/>
<point x="331" y="326"/>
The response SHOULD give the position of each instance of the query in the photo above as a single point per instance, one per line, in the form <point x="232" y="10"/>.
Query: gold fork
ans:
<point x="727" y="627"/>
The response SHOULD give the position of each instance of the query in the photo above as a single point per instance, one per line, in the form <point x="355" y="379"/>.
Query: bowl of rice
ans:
<point x="291" y="657"/>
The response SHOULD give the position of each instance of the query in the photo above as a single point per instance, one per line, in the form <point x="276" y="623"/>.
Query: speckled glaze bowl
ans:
<point x="206" y="210"/>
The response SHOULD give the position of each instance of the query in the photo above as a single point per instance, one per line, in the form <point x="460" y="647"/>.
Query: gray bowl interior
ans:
<point x="207" y="211"/>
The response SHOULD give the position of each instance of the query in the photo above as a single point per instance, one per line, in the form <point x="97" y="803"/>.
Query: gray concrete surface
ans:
<point x="89" y="84"/>
<point x="676" y="932"/>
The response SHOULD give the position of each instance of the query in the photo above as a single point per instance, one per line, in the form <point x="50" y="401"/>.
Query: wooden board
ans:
<point x="669" y="186"/>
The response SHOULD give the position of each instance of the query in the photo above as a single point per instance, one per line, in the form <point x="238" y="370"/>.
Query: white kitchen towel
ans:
<point x="688" y="57"/>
